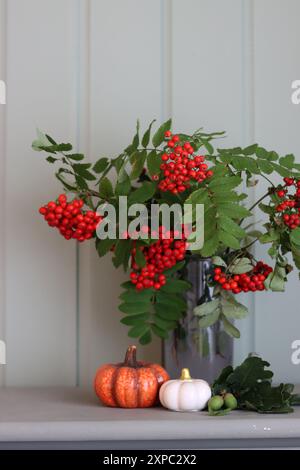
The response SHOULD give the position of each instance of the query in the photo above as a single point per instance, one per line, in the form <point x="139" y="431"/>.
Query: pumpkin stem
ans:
<point x="130" y="358"/>
<point x="185" y="374"/>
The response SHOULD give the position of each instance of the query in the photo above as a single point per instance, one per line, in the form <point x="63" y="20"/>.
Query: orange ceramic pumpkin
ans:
<point x="130" y="384"/>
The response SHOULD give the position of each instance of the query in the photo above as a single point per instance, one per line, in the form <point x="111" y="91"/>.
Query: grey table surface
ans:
<point x="72" y="415"/>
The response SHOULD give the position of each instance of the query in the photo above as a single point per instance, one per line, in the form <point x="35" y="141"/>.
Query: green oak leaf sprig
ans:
<point x="251" y="385"/>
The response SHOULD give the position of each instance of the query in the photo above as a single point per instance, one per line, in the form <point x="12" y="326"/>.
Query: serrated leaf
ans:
<point x="254" y="233"/>
<point x="229" y="240"/>
<point x="132" y="295"/>
<point x="153" y="163"/>
<point x="265" y="166"/>
<point x="138" y="164"/>
<point x="197" y="197"/>
<point x="240" y="266"/>
<point x="230" y="329"/>
<point x="228" y="196"/>
<point x="104" y="246"/>
<point x="218" y="261"/>
<point x="227" y="183"/>
<point x="282" y="171"/>
<point x="146" y="136"/>
<point x="145" y="192"/>
<point x="42" y="141"/>
<point x="128" y="285"/>
<point x="51" y="159"/>
<point x="134" y="308"/>
<point x="276" y="279"/>
<point x="101" y="165"/>
<point x="287" y="161"/>
<point x="118" y="162"/>
<point x="266" y="209"/>
<point x="140" y="258"/>
<point x="174" y="286"/>
<point x="122" y="253"/>
<point x="175" y="301"/>
<point x="132" y="320"/>
<point x="206" y="308"/>
<point x="55" y="147"/>
<point x="167" y="312"/>
<point x="81" y="183"/>
<point x="164" y="324"/>
<point x="65" y="183"/>
<point x="245" y="163"/>
<point x="81" y="170"/>
<point x="208" y="146"/>
<point x="250" y="150"/>
<point x="161" y="333"/>
<point x="135" y="142"/>
<point x="231" y="227"/>
<point x="273" y="250"/>
<point x="226" y="158"/>
<point x="231" y="308"/>
<point x="138" y="330"/>
<point x="269" y="237"/>
<point x="146" y="338"/>
<point x="273" y="155"/>
<point x="123" y="185"/>
<point x="295" y="236"/>
<point x="296" y="255"/>
<point x="159" y="135"/>
<point x="262" y="153"/>
<point x="76" y="156"/>
<point x="210" y="245"/>
<point x="233" y="210"/>
<point x="209" y="320"/>
<point x="105" y="188"/>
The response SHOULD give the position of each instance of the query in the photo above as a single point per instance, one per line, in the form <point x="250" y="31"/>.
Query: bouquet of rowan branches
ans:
<point x="166" y="168"/>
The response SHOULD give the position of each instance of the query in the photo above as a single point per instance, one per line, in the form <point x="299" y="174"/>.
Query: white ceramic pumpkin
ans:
<point x="185" y="394"/>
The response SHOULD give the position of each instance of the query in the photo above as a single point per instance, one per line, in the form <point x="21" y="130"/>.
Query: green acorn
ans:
<point x="230" y="401"/>
<point x="215" y="403"/>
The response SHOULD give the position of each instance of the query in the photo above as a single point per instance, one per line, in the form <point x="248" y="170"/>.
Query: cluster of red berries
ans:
<point x="70" y="219"/>
<point x="289" y="207"/>
<point x="180" y="167"/>
<point x="251" y="281"/>
<point x="160" y="256"/>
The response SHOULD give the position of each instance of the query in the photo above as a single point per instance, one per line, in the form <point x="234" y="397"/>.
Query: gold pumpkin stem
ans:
<point x="185" y="375"/>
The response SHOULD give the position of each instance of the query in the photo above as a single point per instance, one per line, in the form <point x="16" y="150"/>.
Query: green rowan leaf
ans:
<point x="101" y="165"/>
<point x="230" y="329"/>
<point x="146" y="136"/>
<point x="229" y="240"/>
<point x="159" y="135"/>
<point x="134" y="307"/>
<point x="153" y="163"/>
<point x="105" y="189"/>
<point x="145" y="192"/>
<point x="138" y="164"/>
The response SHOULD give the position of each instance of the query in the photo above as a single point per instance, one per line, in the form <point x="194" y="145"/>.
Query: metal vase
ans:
<point x="205" y="351"/>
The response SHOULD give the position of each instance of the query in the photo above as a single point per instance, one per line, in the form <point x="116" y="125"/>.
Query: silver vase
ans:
<point x="205" y="351"/>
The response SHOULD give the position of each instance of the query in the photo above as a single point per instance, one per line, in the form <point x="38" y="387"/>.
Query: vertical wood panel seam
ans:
<point x="77" y="261"/>
<point x="82" y="142"/>
<point x="3" y="59"/>
<point x="247" y="112"/>
<point x="166" y="58"/>
<point x="165" y="70"/>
